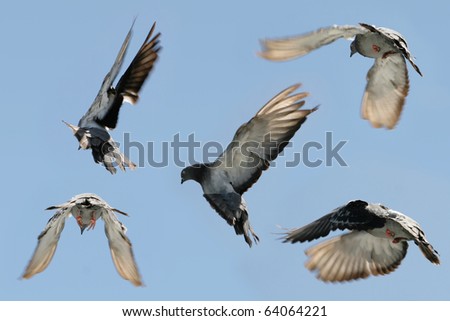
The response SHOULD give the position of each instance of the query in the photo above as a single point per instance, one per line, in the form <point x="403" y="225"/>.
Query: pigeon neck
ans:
<point x="196" y="172"/>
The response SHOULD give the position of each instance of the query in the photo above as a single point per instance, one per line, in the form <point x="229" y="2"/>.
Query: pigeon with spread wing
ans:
<point x="376" y="245"/>
<point x="92" y="130"/>
<point x="87" y="209"/>
<point x="387" y="80"/>
<point x="255" y="144"/>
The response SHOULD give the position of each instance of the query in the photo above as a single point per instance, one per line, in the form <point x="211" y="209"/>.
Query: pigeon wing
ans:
<point x="121" y="248"/>
<point x="355" y="255"/>
<point x="352" y="216"/>
<point x="283" y="49"/>
<point x="134" y="77"/>
<point x="100" y="107"/>
<point x="386" y="90"/>
<point x="260" y="140"/>
<point x="47" y="243"/>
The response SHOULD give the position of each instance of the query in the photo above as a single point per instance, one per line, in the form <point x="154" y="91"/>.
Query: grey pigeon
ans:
<point x="87" y="209"/>
<point x="387" y="80"/>
<point x="376" y="244"/>
<point x="92" y="130"/>
<point x="255" y="144"/>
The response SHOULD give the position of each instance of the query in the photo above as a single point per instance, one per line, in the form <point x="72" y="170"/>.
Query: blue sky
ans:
<point x="208" y="82"/>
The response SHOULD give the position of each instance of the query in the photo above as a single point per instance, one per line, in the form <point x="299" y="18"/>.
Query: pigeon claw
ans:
<point x="80" y="220"/>
<point x="92" y="223"/>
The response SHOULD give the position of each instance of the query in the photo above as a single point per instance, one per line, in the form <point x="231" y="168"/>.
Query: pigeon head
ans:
<point x="194" y="172"/>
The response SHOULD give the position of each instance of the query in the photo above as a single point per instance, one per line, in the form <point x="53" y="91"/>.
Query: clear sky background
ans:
<point x="208" y="81"/>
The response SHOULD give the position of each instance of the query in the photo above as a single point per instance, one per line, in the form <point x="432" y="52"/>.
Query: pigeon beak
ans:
<point x="182" y="180"/>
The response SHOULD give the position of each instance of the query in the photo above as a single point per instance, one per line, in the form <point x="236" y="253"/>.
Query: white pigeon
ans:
<point x="376" y="244"/>
<point x="387" y="80"/>
<point x="255" y="144"/>
<point x="87" y="209"/>
<point x="92" y="130"/>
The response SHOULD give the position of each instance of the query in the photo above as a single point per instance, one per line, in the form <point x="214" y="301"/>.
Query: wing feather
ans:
<point x="353" y="216"/>
<point x="100" y="106"/>
<point x="47" y="243"/>
<point x="121" y="248"/>
<point x="355" y="255"/>
<point x="260" y="140"/>
<point x="386" y="91"/>
<point x="283" y="49"/>
<point x="133" y="79"/>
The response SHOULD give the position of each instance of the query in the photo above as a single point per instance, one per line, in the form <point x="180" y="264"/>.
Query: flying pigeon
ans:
<point x="92" y="130"/>
<point x="255" y="144"/>
<point x="376" y="244"/>
<point x="87" y="209"/>
<point x="387" y="80"/>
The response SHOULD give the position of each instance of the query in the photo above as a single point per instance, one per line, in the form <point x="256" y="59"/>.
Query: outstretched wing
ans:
<point x="100" y="107"/>
<point x="355" y="255"/>
<point x="352" y="216"/>
<point x="386" y="90"/>
<point x="134" y="77"/>
<point x="293" y="47"/>
<point x="260" y="140"/>
<point x="47" y="243"/>
<point x="121" y="249"/>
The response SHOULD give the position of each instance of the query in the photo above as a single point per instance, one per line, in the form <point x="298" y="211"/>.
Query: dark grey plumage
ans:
<point x="255" y="144"/>
<point x="92" y="130"/>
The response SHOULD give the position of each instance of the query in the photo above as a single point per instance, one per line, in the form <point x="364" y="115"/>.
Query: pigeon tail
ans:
<point x="231" y="207"/>
<point x="104" y="149"/>
<point x="242" y="227"/>
<point x="110" y="156"/>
